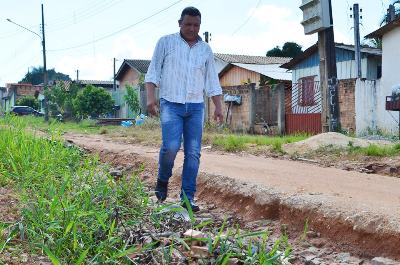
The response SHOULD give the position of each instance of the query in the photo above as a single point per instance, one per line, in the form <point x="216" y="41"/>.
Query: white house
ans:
<point x="390" y="36"/>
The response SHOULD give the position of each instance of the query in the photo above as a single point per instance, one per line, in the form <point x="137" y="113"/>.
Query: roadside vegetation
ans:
<point x="74" y="212"/>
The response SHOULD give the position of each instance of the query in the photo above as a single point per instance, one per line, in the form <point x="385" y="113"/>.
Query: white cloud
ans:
<point x="273" y="26"/>
<point x="270" y="14"/>
<point x="100" y="65"/>
<point x="90" y="67"/>
<point x="125" y="47"/>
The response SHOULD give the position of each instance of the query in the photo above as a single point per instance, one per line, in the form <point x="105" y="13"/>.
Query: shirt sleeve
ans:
<point x="212" y="85"/>
<point x="153" y="74"/>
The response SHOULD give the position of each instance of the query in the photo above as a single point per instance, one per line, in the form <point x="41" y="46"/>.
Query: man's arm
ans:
<point x="218" y="116"/>
<point x="151" y="99"/>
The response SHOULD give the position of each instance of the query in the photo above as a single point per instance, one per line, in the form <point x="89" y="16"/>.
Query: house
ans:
<point x="306" y="94"/>
<point x="107" y="85"/>
<point x="245" y="69"/>
<point x="378" y="118"/>
<point x="15" y="91"/>
<point x="131" y="72"/>
<point x="252" y="79"/>
<point x="3" y="91"/>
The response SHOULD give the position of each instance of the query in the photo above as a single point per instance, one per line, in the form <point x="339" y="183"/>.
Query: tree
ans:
<point x="275" y="52"/>
<point x="60" y="98"/>
<point x="35" y="77"/>
<point x="386" y="18"/>
<point x="30" y="101"/>
<point x="93" y="101"/>
<point x="289" y="49"/>
<point x="132" y="99"/>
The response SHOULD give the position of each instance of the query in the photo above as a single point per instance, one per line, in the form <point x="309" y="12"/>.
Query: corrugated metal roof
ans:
<point x="364" y="49"/>
<point x="96" y="82"/>
<point x="249" y="59"/>
<point x="271" y="70"/>
<point x="314" y="48"/>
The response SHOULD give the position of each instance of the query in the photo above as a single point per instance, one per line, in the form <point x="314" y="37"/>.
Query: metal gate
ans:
<point x="303" y="106"/>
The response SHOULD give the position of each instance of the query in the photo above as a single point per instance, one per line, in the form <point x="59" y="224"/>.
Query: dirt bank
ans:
<point x="360" y="212"/>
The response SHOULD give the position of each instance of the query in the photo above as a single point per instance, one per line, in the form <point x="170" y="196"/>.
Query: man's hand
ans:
<point x="218" y="116"/>
<point x="152" y="108"/>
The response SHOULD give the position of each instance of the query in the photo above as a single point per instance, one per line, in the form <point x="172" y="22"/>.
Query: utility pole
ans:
<point x="46" y="108"/>
<point x="357" y="48"/>
<point x="207" y="36"/>
<point x="114" y="84"/>
<point x="391" y="13"/>
<point x="77" y="75"/>
<point x="328" y="78"/>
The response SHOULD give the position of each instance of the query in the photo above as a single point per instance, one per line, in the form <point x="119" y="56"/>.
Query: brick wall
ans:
<point x="239" y="116"/>
<point x="347" y="104"/>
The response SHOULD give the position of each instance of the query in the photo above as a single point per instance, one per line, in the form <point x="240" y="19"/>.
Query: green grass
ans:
<point x="235" y="143"/>
<point x="70" y="206"/>
<point x="84" y="126"/>
<point x="376" y="150"/>
<point x="74" y="212"/>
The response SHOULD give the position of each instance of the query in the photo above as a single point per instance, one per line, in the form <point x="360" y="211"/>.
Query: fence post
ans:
<point x="143" y="99"/>
<point x="280" y="89"/>
<point x="252" y="106"/>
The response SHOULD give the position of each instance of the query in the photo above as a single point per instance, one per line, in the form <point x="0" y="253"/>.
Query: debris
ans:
<point x="383" y="261"/>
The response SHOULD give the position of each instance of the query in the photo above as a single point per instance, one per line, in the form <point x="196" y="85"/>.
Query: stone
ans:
<point x="198" y="251"/>
<point x="383" y="261"/>
<point x="194" y="234"/>
<point x="312" y="234"/>
<point x="318" y="242"/>
<point x="117" y="174"/>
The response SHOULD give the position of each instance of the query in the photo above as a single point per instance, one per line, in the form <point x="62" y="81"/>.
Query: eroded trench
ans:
<point x="250" y="203"/>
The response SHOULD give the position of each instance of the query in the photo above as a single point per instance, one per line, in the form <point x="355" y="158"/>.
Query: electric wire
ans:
<point x="118" y="31"/>
<point x="248" y="19"/>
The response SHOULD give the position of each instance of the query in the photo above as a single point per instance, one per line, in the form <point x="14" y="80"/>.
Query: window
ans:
<point x="306" y="91"/>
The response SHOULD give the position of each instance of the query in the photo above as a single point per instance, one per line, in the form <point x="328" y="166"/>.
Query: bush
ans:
<point x="93" y="101"/>
<point x="30" y="101"/>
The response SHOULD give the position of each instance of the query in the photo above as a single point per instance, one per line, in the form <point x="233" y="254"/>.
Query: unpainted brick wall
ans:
<point x="347" y="104"/>
<point x="239" y="116"/>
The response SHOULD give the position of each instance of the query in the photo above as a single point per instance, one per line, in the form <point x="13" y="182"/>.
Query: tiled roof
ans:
<point x="248" y="59"/>
<point x="140" y="65"/>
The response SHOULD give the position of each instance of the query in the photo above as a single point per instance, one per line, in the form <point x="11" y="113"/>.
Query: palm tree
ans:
<point x="386" y="19"/>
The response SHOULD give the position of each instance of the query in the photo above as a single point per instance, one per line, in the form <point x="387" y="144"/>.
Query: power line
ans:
<point x="247" y="20"/>
<point x="76" y="19"/>
<point x="118" y="31"/>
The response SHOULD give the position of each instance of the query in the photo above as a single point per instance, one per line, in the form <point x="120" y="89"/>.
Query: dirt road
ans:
<point x="356" y="209"/>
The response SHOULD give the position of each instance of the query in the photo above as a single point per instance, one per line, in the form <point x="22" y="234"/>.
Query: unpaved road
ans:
<point x="355" y="209"/>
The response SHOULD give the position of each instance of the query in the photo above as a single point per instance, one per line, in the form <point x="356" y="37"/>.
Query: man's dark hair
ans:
<point x="190" y="11"/>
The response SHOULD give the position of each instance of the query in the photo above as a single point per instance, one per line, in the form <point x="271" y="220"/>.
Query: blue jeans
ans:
<point x="179" y="120"/>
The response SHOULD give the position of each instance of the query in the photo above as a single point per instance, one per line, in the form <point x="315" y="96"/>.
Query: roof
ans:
<point x="271" y="70"/>
<point x="140" y="65"/>
<point x="314" y="48"/>
<point x="385" y="29"/>
<point x="95" y="82"/>
<point x="249" y="59"/>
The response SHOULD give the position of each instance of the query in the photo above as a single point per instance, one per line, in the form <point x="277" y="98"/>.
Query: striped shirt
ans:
<point x="183" y="73"/>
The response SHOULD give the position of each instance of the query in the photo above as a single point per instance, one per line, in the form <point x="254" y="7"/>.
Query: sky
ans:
<point x="86" y="35"/>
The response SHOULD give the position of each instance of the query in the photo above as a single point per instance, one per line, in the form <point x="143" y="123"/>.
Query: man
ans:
<point x="183" y="68"/>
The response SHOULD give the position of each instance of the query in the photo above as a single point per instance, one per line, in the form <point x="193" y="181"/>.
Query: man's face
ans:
<point x="190" y="27"/>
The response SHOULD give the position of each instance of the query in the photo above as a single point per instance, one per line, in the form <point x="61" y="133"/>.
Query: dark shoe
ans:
<point x="161" y="190"/>
<point x="192" y="204"/>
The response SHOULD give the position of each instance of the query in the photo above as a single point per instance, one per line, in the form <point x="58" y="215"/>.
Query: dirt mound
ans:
<point x="327" y="139"/>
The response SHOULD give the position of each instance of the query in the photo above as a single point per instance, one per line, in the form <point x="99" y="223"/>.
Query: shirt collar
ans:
<point x="199" y="39"/>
